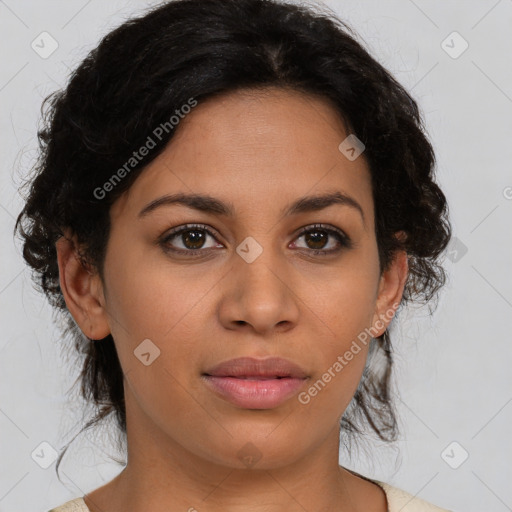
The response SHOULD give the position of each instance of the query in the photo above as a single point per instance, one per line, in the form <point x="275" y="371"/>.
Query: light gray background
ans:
<point x="453" y="370"/>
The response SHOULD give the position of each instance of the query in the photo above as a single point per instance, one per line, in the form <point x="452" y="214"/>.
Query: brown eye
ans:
<point x="318" y="237"/>
<point x="193" y="239"/>
<point x="189" y="240"/>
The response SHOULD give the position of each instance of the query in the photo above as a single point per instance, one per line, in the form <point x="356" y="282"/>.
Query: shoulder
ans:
<point x="400" y="500"/>
<point x="76" y="505"/>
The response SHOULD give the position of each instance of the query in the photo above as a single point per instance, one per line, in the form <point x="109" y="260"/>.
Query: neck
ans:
<point x="162" y="475"/>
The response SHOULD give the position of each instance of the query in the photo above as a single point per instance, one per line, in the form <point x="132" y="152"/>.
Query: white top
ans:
<point x="398" y="501"/>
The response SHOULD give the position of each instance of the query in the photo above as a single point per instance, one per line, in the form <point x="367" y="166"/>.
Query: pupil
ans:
<point x="193" y="237"/>
<point x="316" y="236"/>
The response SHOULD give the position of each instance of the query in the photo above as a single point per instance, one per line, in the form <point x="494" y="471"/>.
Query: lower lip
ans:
<point x="255" y="394"/>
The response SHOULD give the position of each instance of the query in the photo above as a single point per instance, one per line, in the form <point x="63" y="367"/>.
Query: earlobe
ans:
<point x="82" y="290"/>
<point x="391" y="288"/>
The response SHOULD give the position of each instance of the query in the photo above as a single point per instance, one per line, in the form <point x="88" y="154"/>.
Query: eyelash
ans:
<point x="344" y="241"/>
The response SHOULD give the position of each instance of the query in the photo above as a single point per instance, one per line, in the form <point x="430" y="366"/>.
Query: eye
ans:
<point x="317" y="238"/>
<point x="192" y="238"/>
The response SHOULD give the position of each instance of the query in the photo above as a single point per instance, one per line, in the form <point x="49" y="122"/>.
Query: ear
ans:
<point x="82" y="289"/>
<point x="391" y="288"/>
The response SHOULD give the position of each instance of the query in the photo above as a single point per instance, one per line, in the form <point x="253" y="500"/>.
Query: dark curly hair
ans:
<point x="141" y="73"/>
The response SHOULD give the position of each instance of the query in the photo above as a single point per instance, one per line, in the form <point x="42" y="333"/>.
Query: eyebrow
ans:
<point x="209" y="204"/>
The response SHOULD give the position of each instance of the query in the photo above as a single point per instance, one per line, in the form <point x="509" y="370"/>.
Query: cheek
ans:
<point x="150" y="298"/>
<point x="343" y="300"/>
<point x="342" y="309"/>
<point x="163" y="305"/>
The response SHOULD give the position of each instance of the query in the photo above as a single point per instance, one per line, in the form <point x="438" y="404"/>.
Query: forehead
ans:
<point x="256" y="149"/>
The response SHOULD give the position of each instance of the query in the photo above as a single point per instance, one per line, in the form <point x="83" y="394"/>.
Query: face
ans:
<point x="259" y="279"/>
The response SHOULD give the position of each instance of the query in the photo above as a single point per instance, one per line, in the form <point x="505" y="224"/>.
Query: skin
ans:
<point x="259" y="151"/>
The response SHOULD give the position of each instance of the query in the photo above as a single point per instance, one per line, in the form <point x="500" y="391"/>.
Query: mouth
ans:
<point x="253" y="368"/>
<point x="252" y="383"/>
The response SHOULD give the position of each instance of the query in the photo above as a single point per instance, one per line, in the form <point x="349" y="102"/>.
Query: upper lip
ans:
<point x="252" y="367"/>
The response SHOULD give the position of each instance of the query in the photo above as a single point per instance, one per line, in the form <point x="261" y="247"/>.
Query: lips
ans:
<point x="257" y="369"/>
<point x="252" y="383"/>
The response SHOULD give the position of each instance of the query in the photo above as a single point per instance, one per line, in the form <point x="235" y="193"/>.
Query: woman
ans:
<point x="233" y="200"/>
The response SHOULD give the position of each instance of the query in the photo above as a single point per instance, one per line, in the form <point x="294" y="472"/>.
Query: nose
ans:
<point x="259" y="296"/>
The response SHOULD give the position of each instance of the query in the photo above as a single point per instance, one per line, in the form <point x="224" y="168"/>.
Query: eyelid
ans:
<point x="191" y="227"/>
<point x="344" y="240"/>
<point x="188" y="227"/>
<point x="324" y="227"/>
